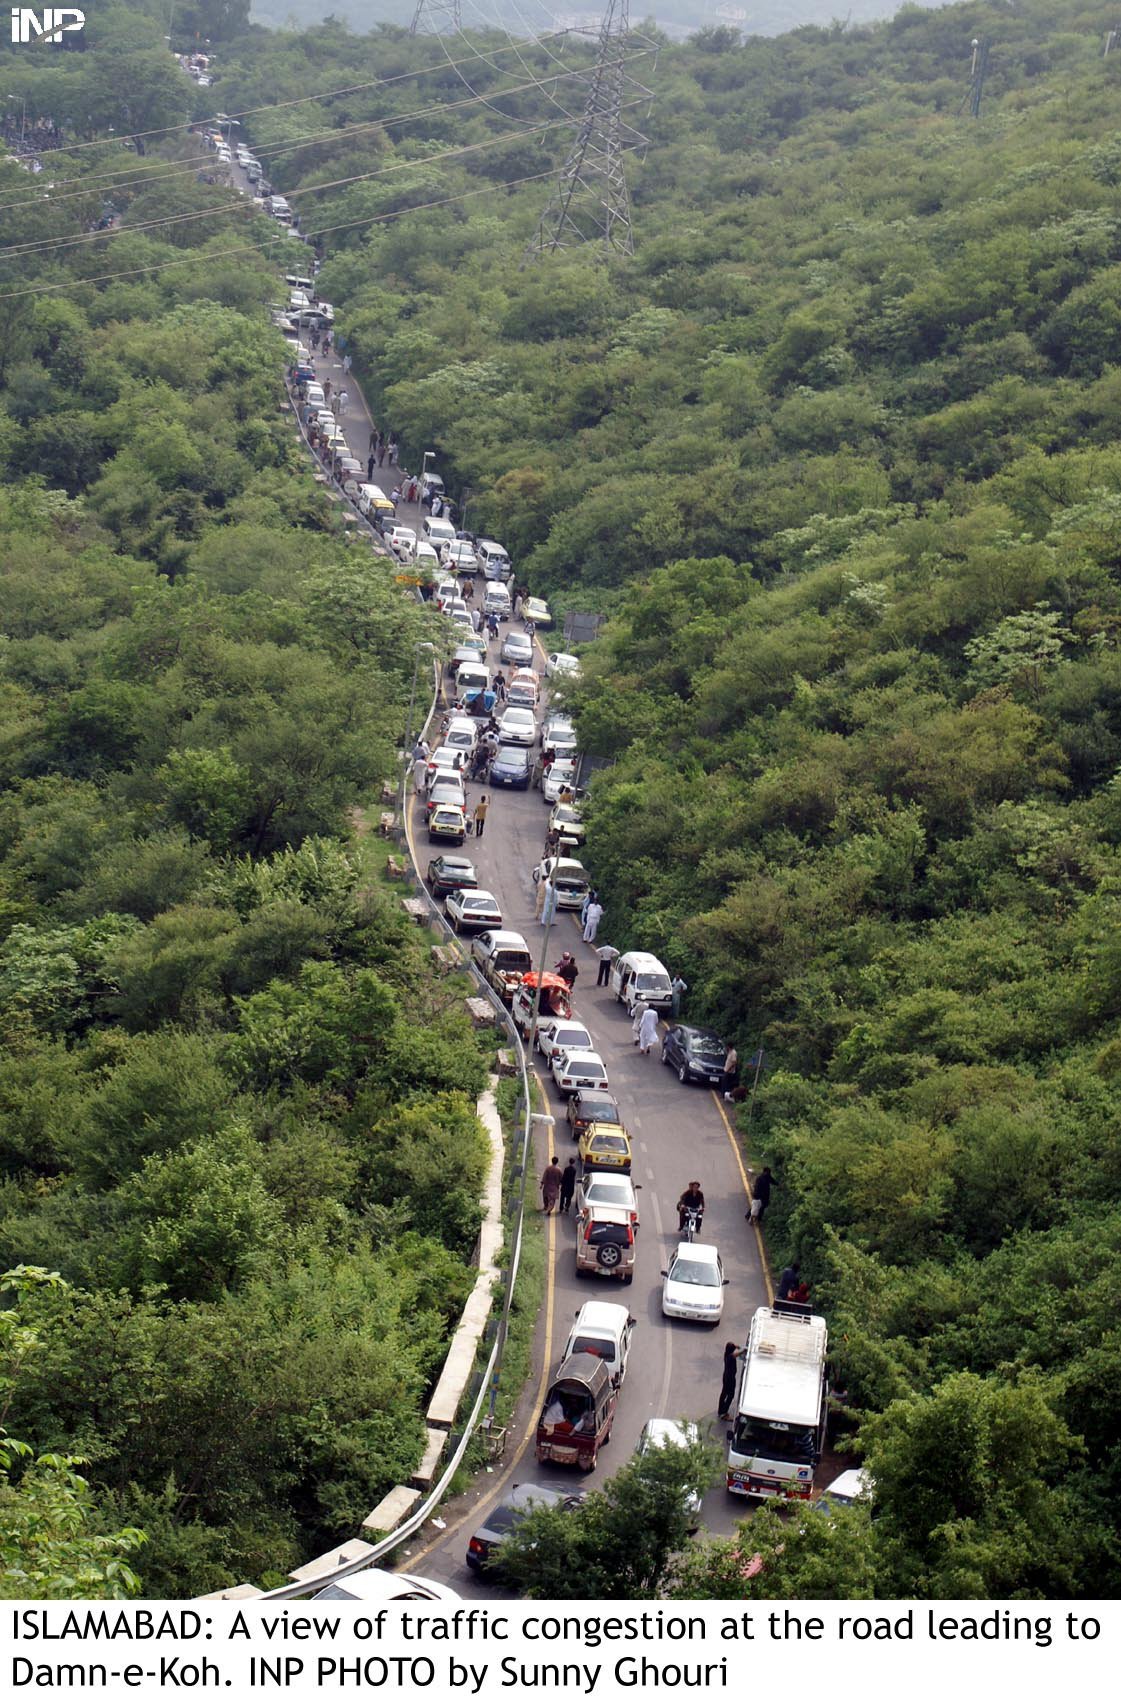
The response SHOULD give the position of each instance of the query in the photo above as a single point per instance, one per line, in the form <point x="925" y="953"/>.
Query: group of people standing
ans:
<point x="383" y="450"/>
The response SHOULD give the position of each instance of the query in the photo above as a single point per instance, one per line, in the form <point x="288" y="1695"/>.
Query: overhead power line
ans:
<point x="591" y="202"/>
<point x="207" y="256"/>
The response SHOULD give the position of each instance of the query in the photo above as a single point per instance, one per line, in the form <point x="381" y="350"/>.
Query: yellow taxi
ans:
<point x="605" y="1148"/>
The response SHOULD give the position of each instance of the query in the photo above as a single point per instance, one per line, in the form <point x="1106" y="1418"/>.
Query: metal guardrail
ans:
<point x="417" y="1518"/>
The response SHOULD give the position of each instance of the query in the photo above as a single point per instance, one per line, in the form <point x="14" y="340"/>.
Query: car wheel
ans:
<point x="665" y="1058"/>
<point x="609" y="1257"/>
<point x="683" y="1074"/>
<point x="627" y="1279"/>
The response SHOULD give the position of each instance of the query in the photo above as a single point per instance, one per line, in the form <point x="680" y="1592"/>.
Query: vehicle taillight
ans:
<point x="476" y="1546"/>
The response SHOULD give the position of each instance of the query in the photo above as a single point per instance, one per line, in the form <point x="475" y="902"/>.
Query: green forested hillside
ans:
<point x="837" y="451"/>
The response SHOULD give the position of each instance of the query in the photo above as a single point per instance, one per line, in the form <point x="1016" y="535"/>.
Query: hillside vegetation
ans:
<point x="837" y="451"/>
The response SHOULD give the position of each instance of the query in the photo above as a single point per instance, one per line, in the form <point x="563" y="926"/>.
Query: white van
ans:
<point x="496" y="600"/>
<point x="438" y="532"/>
<point x="314" y="396"/>
<point x="294" y="281"/>
<point x="372" y="500"/>
<point x="280" y="209"/>
<point x="603" y="1331"/>
<point x="493" y="558"/>
<point x="637" y="974"/>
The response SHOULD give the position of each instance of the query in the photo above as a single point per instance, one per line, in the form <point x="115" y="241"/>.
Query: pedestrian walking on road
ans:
<point x="550" y="1186"/>
<point x="476" y="619"/>
<point x="370" y="470"/>
<point x="678" y="987"/>
<point x="327" y="391"/>
<point x="567" y="1186"/>
<point x="732" y="1356"/>
<point x="346" y="362"/>
<point x="421" y="750"/>
<point x="375" y="440"/>
<point x="567" y="969"/>
<point x="606" y="954"/>
<point x="480" y="816"/>
<point x="393" y="451"/>
<point x="518" y="607"/>
<point x="344" y="397"/>
<point x="760" y="1194"/>
<point x="420" y="775"/>
<point x="647" y="1031"/>
<point x="539" y="899"/>
<point x="381" y="454"/>
<point x="731" y="1071"/>
<point x="637" y="1012"/>
<point x="549" y="905"/>
<point x="592" y="918"/>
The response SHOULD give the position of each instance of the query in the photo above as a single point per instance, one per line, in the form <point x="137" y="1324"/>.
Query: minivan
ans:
<point x="373" y="500"/>
<point x="493" y="558"/>
<point x="438" y="532"/>
<point x="637" y="974"/>
<point x="496" y="600"/>
<point x="603" y="1331"/>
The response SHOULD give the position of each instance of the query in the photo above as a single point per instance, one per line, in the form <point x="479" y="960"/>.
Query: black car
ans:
<point x="590" y="1106"/>
<point x="450" y="873"/>
<point x="522" y="1497"/>
<point x="511" y="766"/>
<point x="697" y="1053"/>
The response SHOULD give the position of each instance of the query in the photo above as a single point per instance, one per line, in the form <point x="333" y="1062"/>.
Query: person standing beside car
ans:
<point x="606" y="954"/>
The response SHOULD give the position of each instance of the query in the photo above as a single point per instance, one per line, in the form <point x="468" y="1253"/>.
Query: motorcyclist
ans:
<point x="691" y="1199"/>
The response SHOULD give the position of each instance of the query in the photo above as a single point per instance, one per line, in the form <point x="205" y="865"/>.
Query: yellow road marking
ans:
<point x="734" y="1143"/>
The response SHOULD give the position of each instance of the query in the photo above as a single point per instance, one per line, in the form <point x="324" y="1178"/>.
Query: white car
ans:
<point x="401" y="539"/>
<point x="616" y="1192"/>
<point x="693" y="1285"/>
<point x="517" y="726"/>
<point x="560" y="1033"/>
<point x="535" y="608"/>
<point x="560" y="777"/>
<point x="663" y="1431"/>
<point x="447" y="759"/>
<point x="516" y="647"/>
<point x="453" y="607"/>
<point x="568" y="877"/>
<point x="446" y="588"/>
<point x="459" y="557"/>
<point x="460" y="735"/>
<point x="557" y="734"/>
<point x="568" y="822"/>
<point x="559" y="666"/>
<point x="573" y="1070"/>
<point x="467" y="910"/>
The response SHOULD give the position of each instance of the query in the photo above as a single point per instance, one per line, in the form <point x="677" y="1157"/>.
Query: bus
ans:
<point x="778" y="1433"/>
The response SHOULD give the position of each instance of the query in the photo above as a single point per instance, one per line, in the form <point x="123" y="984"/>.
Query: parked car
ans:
<point x="569" y="823"/>
<point x="605" y="1148"/>
<point x="401" y="538"/>
<point x="450" y="873"/>
<point x="447" y="789"/>
<point x="561" y="777"/>
<point x="846" y="1489"/>
<point x="502" y="957"/>
<point x="638" y="974"/>
<point x="605" y="1244"/>
<point x="439" y="532"/>
<point x="461" y="734"/>
<point x="447" y="759"/>
<point x="664" y="1431"/>
<point x="562" y="1033"/>
<point x="470" y="911"/>
<point x="693" y="1285"/>
<point x="447" y="821"/>
<point x="603" y="1331"/>
<point x="496" y="600"/>
<point x="511" y="766"/>
<point x="559" y="736"/>
<point x="575" y="1069"/>
<point x="518" y="726"/>
<point x="459" y="557"/>
<point x="535" y="608"/>
<point x="568" y="878"/>
<point x="523" y="689"/>
<point x="493" y="558"/>
<point x="558" y="665"/>
<point x="697" y="1053"/>
<point x="601" y="1186"/>
<point x="517" y="648"/>
<point x="484" y="1547"/>
<point x="584" y="1108"/>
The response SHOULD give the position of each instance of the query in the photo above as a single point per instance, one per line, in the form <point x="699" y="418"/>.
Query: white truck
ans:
<point x="776" y="1439"/>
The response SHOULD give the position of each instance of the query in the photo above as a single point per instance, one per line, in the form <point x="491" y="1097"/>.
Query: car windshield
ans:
<point x="703" y="1046"/>
<point x="788" y="1444"/>
<point x="691" y="1272"/>
<point x="652" y="982"/>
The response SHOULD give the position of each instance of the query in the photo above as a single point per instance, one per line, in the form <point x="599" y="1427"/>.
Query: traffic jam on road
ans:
<point x="489" y="860"/>
<point x="506" y="869"/>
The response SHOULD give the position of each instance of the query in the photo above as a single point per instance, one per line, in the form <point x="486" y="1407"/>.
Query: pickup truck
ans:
<point x="502" y="958"/>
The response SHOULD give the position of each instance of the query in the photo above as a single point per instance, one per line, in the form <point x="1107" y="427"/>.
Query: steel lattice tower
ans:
<point x="438" y="15"/>
<point x="590" y="203"/>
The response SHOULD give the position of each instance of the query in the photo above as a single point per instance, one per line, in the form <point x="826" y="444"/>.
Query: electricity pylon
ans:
<point x="590" y="202"/>
<point x="437" y="15"/>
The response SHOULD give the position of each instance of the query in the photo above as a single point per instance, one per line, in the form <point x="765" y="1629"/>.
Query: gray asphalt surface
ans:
<point x="677" y="1132"/>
